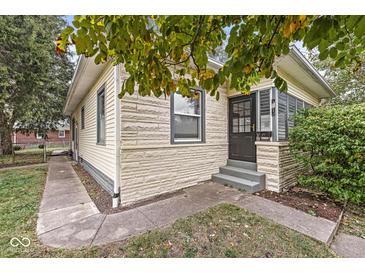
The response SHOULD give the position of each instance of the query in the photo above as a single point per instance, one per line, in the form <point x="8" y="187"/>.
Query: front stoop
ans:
<point x="241" y="175"/>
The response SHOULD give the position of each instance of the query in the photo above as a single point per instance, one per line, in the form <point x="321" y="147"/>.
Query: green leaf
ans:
<point x="333" y="52"/>
<point x="340" y="46"/>
<point x="352" y="21"/>
<point x="323" y="55"/>
<point x="360" y="28"/>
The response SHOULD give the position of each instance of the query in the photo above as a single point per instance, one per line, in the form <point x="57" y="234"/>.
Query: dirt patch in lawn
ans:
<point x="315" y="204"/>
<point x="103" y="200"/>
<point x="21" y="160"/>
<point x="353" y="221"/>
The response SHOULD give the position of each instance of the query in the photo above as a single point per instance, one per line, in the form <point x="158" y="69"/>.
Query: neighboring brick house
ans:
<point x="60" y="136"/>
<point x="139" y="147"/>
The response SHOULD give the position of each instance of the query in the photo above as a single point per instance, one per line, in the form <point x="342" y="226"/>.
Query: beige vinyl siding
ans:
<point x="293" y="89"/>
<point x="150" y="164"/>
<point x="101" y="157"/>
<point x="263" y="84"/>
<point x="299" y="91"/>
<point x="302" y="94"/>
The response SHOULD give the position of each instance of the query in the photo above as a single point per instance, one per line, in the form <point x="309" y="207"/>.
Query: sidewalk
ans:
<point x="349" y="246"/>
<point x="69" y="219"/>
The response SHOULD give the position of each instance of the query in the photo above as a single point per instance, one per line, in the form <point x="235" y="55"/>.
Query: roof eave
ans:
<point x="81" y="62"/>
<point x="302" y="61"/>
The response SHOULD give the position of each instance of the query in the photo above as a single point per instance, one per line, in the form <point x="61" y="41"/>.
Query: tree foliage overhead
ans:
<point x="33" y="78"/>
<point x="159" y="52"/>
<point x="347" y="83"/>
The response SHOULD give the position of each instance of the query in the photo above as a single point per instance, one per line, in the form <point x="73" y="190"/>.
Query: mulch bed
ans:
<point x="102" y="199"/>
<point x="313" y="203"/>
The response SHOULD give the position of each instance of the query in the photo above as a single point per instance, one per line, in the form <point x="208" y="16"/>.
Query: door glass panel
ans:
<point x="241" y="117"/>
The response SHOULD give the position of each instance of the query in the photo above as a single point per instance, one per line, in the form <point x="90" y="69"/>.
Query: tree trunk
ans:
<point x="6" y="130"/>
<point x="6" y="143"/>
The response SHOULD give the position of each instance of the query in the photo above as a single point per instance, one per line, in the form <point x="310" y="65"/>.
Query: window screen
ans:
<point x="187" y="117"/>
<point x="101" y="117"/>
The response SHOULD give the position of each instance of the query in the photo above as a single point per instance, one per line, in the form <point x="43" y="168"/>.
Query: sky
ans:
<point x="69" y="19"/>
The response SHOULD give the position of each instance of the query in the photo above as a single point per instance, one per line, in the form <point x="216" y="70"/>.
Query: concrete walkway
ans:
<point x="349" y="246"/>
<point x="69" y="219"/>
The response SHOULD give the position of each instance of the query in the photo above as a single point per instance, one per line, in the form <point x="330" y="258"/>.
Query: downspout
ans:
<point x="116" y="191"/>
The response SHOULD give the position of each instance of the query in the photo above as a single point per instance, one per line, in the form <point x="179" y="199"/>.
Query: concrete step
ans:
<point x="243" y="173"/>
<point x="243" y="184"/>
<point x="242" y="164"/>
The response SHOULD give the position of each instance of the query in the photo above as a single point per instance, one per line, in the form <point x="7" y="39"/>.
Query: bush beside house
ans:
<point x="330" y="141"/>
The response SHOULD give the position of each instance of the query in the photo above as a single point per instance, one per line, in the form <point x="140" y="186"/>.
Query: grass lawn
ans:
<point x="222" y="231"/>
<point x="26" y="156"/>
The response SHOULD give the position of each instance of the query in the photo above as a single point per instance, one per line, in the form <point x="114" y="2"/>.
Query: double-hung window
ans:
<point x="187" y="117"/>
<point x="288" y="106"/>
<point x="82" y="118"/>
<point x="100" y="117"/>
<point x="61" y="134"/>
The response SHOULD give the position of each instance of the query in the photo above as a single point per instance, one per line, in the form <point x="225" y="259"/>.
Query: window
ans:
<point x="306" y="105"/>
<point x="292" y="103"/>
<point x="73" y="129"/>
<point x="100" y="138"/>
<point x="300" y="105"/>
<point x="282" y="116"/>
<point x="61" y="134"/>
<point x="288" y="106"/>
<point x="187" y="123"/>
<point x="82" y="118"/>
<point x="241" y="117"/>
<point x="39" y="136"/>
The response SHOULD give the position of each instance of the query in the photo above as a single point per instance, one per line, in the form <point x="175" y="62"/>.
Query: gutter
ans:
<point x="303" y="62"/>
<point x="117" y="86"/>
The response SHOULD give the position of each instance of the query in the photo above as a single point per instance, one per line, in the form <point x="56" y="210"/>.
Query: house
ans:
<point x="139" y="147"/>
<point x="59" y="136"/>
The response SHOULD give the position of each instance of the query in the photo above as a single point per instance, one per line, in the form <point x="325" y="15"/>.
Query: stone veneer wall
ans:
<point x="274" y="159"/>
<point x="150" y="164"/>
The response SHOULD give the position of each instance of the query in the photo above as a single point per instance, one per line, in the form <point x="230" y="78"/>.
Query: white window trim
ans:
<point x="200" y="116"/>
<point x="63" y="135"/>
<point x="39" y="136"/>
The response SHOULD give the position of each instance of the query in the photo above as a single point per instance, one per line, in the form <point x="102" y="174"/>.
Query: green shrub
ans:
<point x="41" y="146"/>
<point x="16" y="147"/>
<point x="330" y="141"/>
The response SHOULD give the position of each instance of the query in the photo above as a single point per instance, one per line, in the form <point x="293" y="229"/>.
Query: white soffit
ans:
<point x="297" y="67"/>
<point x="85" y="76"/>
